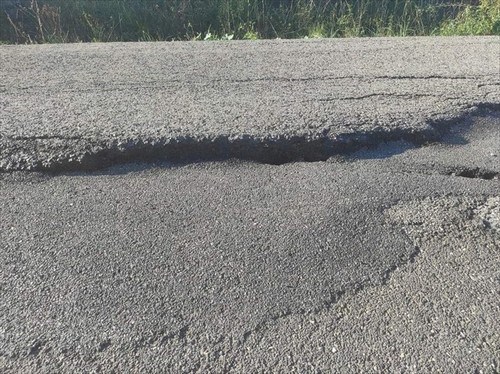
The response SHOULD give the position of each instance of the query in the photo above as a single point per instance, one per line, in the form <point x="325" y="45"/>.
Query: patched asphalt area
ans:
<point x="437" y="313"/>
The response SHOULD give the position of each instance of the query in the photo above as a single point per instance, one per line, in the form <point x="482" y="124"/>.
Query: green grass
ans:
<point x="56" y="21"/>
<point x="479" y="20"/>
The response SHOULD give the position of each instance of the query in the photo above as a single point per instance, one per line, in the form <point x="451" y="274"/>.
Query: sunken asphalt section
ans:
<point x="85" y="106"/>
<point x="383" y="257"/>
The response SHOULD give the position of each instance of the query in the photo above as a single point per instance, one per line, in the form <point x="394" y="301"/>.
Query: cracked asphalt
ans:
<point x="382" y="257"/>
<point x="80" y="106"/>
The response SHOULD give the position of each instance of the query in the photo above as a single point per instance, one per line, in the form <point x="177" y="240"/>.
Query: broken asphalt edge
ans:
<point x="22" y="153"/>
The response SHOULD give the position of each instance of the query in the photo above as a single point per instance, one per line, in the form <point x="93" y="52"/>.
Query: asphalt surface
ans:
<point x="87" y="106"/>
<point x="381" y="258"/>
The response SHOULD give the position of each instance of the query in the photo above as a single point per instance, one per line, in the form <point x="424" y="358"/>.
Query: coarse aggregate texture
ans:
<point x="376" y="261"/>
<point x="436" y="314"/>
<point x="383" y="256"/>
<point x="87" y="106"/>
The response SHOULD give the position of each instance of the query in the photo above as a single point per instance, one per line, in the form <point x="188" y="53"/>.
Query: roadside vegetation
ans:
<point x="60" y="21"/>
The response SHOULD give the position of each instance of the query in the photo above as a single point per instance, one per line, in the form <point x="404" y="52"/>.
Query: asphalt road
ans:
<point x="381" y="258"/>
<point x="89" y="105"/>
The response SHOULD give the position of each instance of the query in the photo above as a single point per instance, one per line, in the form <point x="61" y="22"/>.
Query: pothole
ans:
<point x="55" y="154"/>
<point x="45" y="155"/>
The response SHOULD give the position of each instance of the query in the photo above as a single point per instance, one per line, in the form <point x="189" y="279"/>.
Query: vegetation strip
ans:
<point x="58" y="21"/>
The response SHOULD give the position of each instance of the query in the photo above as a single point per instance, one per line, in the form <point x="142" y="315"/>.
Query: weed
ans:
<point x="247" y="31"/>
<point x="317" y="32"/>
<point x="50" y="21"/>
<point x="475" y="20"/>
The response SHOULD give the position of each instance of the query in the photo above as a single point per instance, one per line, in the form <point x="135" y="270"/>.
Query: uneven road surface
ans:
<point x="271" y="206"/>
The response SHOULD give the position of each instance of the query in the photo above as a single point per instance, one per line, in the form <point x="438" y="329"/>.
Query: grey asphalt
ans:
<point x="384" y="257"/>
<point x="86" y="105"/>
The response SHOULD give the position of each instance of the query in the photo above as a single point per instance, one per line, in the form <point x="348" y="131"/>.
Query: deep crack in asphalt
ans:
<point x="274" y="150"/>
